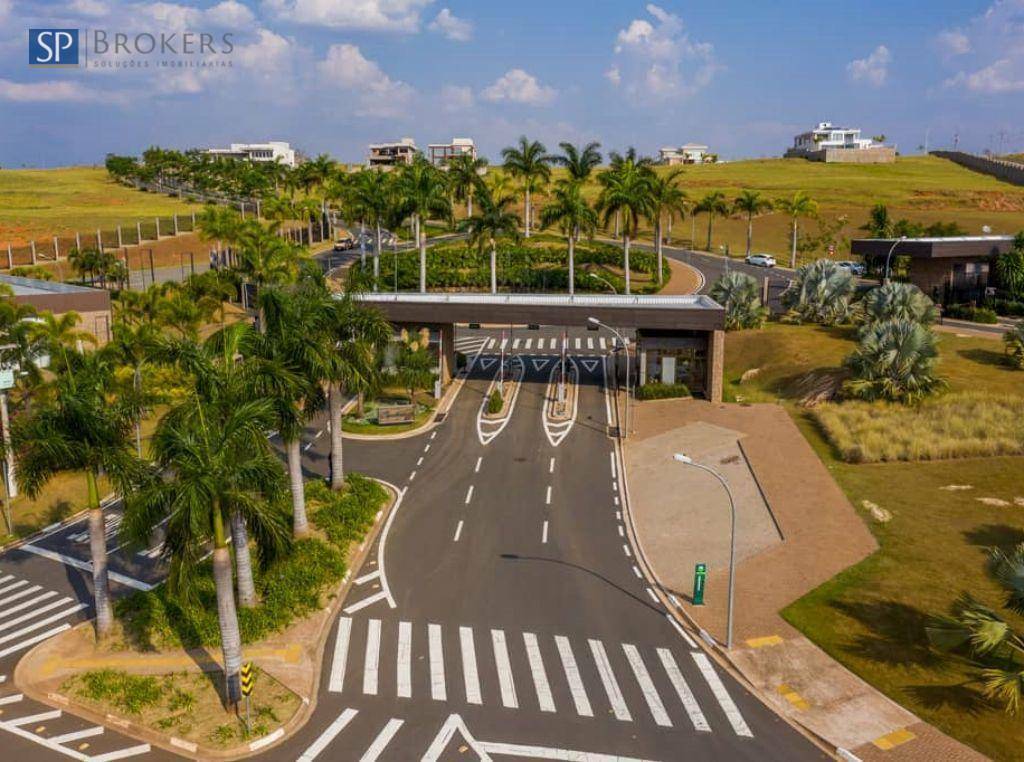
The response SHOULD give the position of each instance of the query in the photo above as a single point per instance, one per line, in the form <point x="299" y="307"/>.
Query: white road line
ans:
<point x="590" y="342"/>
<point x="368" y="577"/>
<point x="458" y="532"/>
<point x="521" y="751"/>
<point x="578" y="343"/>
<point x="689" y="641"/>
<point x="551" y="466"/>
<point x="29" y="602"/>
<point x="572" y="677"/>
<point x="6" y="578"/>
<point x="615" y="486"/>
<point x="19" y="583"/>
<point x="412" y="476"/>
<point x="306" y="447"/>
<point x="739" y="725"/>
<point x="611" y="686"/>
<point x="43" y="622"/>
<point x="529" y="343"/>
<point x="653" y="596"/>
<point x="615" y="499"/>
<point x="469" y="673"/>
<point x="544" y="534"/>
<point x="325" y="738"/>
<point x="404" y="667"/>
<point x="78" y="735"/>
<point x="426" y="448"/>
<point x="131" y="751"/>
<point x="433" y="436"/>
<point x="479" y="461"/>
<point x="540" y="676"/>
<point x="85" y="566"/>
<point x="469" y="494"/>
<point x="14" y="698"/>
<point x="611" y="459"/>
<point x="491" y="343"/>
<point x="547" y="498"/>
<point x="627" y="551"/>
<point x="382" y="740"/>
<point x="41" y="717"/>
<point x="515" y="343"/>
<point x="504" y="665"/>
<point x="438" y="692"/>
<point x="371" y="664"/>
<point x="622" y="532"/>
<point x="369" y="600"/>
<point x="675" y="676"/>
<point x="33" y="640"/>
<point x="618" y="515"/>
<point x="643" y="679"/>
<point x="602" y="343"/>
<point x="420" y="461"/>
<point x="340" y="655"/>
<point x="636" y="571"/>
<point x="34" y="613"/>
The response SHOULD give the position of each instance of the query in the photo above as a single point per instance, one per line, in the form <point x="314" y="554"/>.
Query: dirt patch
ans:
<point x="987" y="201"/>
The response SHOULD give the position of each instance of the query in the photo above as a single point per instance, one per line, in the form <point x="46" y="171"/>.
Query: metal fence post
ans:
<point x="99" y="240"/>
<point x="56" y="250"/>
<point x="33" y="245"/>
<point x="157" y="228"/>
<point x="193" y="220"/>
<point x="120" y="241"/>
<point x="175" y="217"/>
<point x="10" y="257"/>
<point x="138" y="233"/>
<point x="78" y="240"/>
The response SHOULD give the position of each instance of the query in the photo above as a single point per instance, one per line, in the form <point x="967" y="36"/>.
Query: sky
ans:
<point x="331" y="76"/>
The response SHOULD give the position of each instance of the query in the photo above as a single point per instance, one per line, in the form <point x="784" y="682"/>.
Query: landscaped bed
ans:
<point x="367" y="423"/>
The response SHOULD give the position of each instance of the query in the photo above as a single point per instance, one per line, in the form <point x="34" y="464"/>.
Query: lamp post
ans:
<point x="687" y="460"/>
<point x="594" y="321"/>
<point x="604" y="281"/>
<point x="889" y="257"/>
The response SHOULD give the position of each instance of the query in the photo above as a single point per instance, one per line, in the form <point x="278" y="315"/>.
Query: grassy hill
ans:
<point x="41" y="203"/>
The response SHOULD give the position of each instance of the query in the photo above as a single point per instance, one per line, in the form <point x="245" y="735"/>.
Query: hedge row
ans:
<point x="658" y="391"/>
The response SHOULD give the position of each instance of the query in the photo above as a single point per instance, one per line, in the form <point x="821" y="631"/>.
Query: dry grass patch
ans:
<point x="955" y="426"/>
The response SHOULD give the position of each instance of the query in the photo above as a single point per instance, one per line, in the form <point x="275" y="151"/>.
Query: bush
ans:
<point x="495" y="403"/>
<point x="741" y="297"/>
<point x="1007" y="307"/>
<point x="1014" y="341"/>
<point x="895" y="360"/>
<point x="129" y="693"/>
<point x="659" y="391"/>
<point x="974" y="314"/>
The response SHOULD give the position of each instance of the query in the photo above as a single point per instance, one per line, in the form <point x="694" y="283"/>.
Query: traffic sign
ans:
<point x="248" y="679"/>
<point x="6" y="378"/>
<point x="700" y="573"/>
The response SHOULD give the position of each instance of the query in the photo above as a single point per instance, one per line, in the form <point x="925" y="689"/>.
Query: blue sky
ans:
<point x="333" y="75"/>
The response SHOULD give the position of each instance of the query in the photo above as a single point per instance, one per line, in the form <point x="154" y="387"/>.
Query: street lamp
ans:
<point x="603" y="280"/>
<point x="625" y="346"/>
<point x="889" y="256"/>
<point x="687" y="460"/>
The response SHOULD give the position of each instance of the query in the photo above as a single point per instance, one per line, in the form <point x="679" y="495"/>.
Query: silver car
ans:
<point x="760" y="260"/>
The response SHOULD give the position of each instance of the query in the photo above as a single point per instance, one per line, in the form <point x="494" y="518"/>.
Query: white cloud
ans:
<point x="93" y="8"/>
<point x="373" y="15"/>
<point x="656" y="59"/>
<point x="873" y="70"/>
<point x="375" y="93"/>
<point x="953" y="42"/>
<point x="989" y="50"/>
<point x="517" y="86"/>
<point x="451" y="26"/>
<point x="44" y="92"/>
<point x="456" y="98"/>
<point x="231" y="13"/>
<point x="1004" y="76"/>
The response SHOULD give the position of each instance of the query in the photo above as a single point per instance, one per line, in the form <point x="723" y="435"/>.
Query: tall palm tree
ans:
<point x="579" y="161"/>
<point x="626" y="193"/>
<point x="82" y="427"/>
<point x="423" y="189"/>
<point x="60" y="335"/>
<point x="134" y="346"/>
<point x="529" y="163"/>
<point x="571" y="212"/>
<point x="492" y="221"/>
<point x="801" y="205"/>
<point x="711" y="204"/>
<point x="372" y="197"/>
<point x="464" y="174"/>
<point x="218" y="223"/>
<point x="212" y="462"/>
<point x="667" y="198"/>
<point x="264" y="259"/>
<point x="751" y="203"/>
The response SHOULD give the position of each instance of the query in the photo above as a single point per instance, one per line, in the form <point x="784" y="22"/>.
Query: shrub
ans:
<point x="898" y="301"/>
<point x="821" y="293"/>
<point x="129" y="693"/>
<point x="659" y="391"/>
<point x="739" y="294"/>
<point x="1014" y="342"/>
<point x="495" y="403"/>
<point x="974" y="314"/>
<point x="895" y="360"/>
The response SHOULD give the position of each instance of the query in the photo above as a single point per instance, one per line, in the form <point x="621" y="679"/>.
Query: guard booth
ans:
<point x="674" y="357"/>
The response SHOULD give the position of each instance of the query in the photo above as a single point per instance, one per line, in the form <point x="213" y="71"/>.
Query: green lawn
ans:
<point x="871" y="616"/>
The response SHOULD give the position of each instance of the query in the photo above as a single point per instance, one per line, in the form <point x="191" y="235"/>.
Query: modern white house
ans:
<point x="392" y="154"/>
<point x="689" y="153"/>
<point x="274" y="150"/>
<point x="441" y="153"/>
<point x="831" y="143"/>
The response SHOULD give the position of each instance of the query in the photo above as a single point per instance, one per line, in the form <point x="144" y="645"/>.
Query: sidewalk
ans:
<point x="795" y="530"/>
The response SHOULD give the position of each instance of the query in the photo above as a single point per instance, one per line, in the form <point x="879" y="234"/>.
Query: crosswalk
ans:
<point x="539" y="344"/>
<point x="30" y="613"/>
<point x="112" y="521"/>
<point x="531" y="672"/>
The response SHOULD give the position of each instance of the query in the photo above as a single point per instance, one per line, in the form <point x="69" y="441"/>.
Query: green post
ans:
<point x="700" y="573"/>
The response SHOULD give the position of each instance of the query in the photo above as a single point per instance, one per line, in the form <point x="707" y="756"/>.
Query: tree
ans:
<point x="579" y="161"/>
<point x="667" y="198"/>
<point x="372" y="199"/>
<point x="134" y="345"/>
<point x="898" y="301"/>
<point x="571" y="212"/>
<point x="894" y="361"/>
<point x="264" y="259"/>
<point x="82" y="427"/>
<point x="59" y="335"/>
<point x="821" y="293"/>
<point x="492" y="221"/>
<point x="1010" y="268"/>
<point x="626" y="193"/>
<point x="711" y="204"/>
<point x="739" y="294"/>
<point x="1014" y="341"/>
<point x="801" y="205"/>
<point x="464" y="175"/>
<point x="220" y="224"/>
<point x="423" y="191"/>
<point x="751" y="203"/>
<point x="529" y="163"/>
<point x="414" y="367"/>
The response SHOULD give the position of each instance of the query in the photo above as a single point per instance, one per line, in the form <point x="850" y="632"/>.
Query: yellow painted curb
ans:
<point x="793" y="698"/>
<point x="893" y="739"/>
<point x="768" y="640"/>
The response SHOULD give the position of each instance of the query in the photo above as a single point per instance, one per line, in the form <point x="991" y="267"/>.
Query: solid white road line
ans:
<point x="131" y="751"/>
<point x="41" y="717"/>
<point x="732" y="713"/>
<point x="611" y="459"/>
<point x="371" y="664"/>
<point x="469" y="673"/>
<point x="85" y="566"/>
<point x="547" y="498"/>
<point x="469" y="494"/>
<point x="689" y="641"/>
<point x="340" y="655"/>
<point x="602" y="343"/>
<point x="367" y="577"/>
<point x="367" y="601"/>
<point x="29" y="602"/>
<point x="611" y="686"/>
<point x="327" y="736"/>
<point x="404" y="666"/>
<point x="382" y="740"/>
<point x="34" y="613"/>
<point x="78" y="735"/>
<point x="572" y="677"/>
<point x="540" y="677"/>
<point x="14" y="698"/>
<point x="33" y="640"/>
<point x="19" y="583"/>
<point x="652" y="595"/>
<point x="438" y="692"/>
<point x="643" y="678"/>
<point x="543" y="752"/>
<point x="544" y="534"/>
<point x="43" y="622"/>
<point x="551" y="466"/>
<point x="504" y="665"/>
<point x="675" y="676"/>
<point x="458" y="532"/>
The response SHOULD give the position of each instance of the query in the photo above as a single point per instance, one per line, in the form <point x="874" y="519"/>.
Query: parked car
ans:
<point x="344" y="243"/>
<point x="856" y="268"/>
<point x="760" y="260"/>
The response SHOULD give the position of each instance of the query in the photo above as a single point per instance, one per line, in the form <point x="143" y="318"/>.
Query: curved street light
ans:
<point x="623" y="430"/>
<point x="885" y="280"/>
<point x="604" y="281"/>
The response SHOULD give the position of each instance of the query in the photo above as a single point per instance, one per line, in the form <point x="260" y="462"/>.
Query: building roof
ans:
<point x="979" y="246"/>
<point x="35" y="287"/>
<point x="57" y="297"/>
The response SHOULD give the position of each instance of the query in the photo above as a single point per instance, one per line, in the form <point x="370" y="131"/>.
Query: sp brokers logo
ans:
<point x="53" y="47"/>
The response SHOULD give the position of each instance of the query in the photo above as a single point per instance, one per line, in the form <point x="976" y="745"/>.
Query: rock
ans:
<point x="749" y="374"/>
<point x="956" y="487"/>
<point x="1019" y="501"/>
<point x="998" y="502"/>
<point x="878" y="513"/>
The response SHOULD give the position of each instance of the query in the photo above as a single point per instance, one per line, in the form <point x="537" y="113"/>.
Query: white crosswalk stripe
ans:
<point x="611" y="685"/>
<point x="690" y="704"/>
<point x="438" y="691"/>
<point x="30" y="614"/>
<point x="382" y="740"/>
<point x="504" y="665"/>
<point x="469" y="672"/>
<point x="404" y="660"/>
<point x="540" y="677"/>
<point x="572" y="675"/>
<point x="25" y="604"/>
<point x="327" y="736"/>
<point x="722" y="696"/>
<point x="372" y="662"/>
<point x="643" y="678"/>
<point x="340" y="655"/>
<point x="602" y="343"/>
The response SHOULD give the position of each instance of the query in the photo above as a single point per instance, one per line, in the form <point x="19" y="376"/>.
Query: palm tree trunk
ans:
<point x="376" y="259"/>
<point x="750" y="232"/>
<point x="792" y="255"/>
<point x="227" y="617"/>
<point x="625" y="256"/>
<point x="243" y="561"/>
<point x="469" y="203"/>
<point x="668" y="234"/>
<point x="572" y="264"/>
<point x="711" y="224"/>
<point x="527" y="211"/>
<point x="300" y="524"/>
<point x="337" y="461"/>
<point x="138" y="424"/>
<point x="657" y="246"/>
<point x="422" y="243"/>
<point x="616" y="225"/>
<point x="98" y="553"/>
<point x="494" y="270"/>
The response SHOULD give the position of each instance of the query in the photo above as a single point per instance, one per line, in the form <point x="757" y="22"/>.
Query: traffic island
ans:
<point x="499" y="401"/>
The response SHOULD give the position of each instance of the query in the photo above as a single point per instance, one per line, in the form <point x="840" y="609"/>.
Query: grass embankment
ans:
<point x="41" y="203"/>
<point x="945" y="516"/>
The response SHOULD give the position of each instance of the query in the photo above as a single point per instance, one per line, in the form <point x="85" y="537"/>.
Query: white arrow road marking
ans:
<point x="538" y="364"/>
<point x="590" y="365"/>
<point x="486" y="362"/>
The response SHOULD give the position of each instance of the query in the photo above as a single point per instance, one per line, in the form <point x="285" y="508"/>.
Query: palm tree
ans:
<point x="372" y="198"/>
<point x="801" y="205"/>
<point x="264" y="259"/>
<point x="212" y="462"/>
<point x="464" y="175"/>
<point x="579" y="161"/>
<point x="1014" y="341"/>
<point x="492" y="221"/>
<point x="627" y="194"/>
<point x="59" y="334"/>
<point x="711" y="204"/>
<point x="895" y="361"/>
<point x="423" y="189"/>
<point x="667" y="198"/>
<point x="529" y="163"/>
<point x="571" y="212"/>
<point x="82" y="427"/>
<point x="134" y="346"/>
<point x="738" y="293"/>
<point x="898" y="301"/>
<point x="751" y="203"/>
<point x="821" y="293"/>
<point x="1010" y="268"/>
<point x="218" y="223"/>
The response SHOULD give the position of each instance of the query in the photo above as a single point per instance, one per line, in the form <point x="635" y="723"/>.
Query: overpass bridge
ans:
<point x="678" y="338"/>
